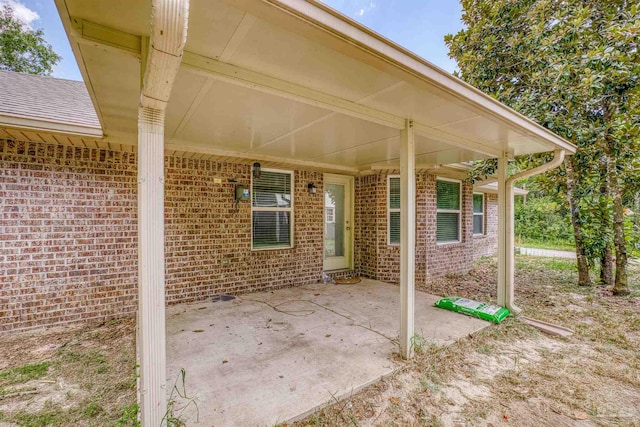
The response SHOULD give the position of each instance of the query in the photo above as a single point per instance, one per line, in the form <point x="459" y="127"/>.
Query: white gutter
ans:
<point x="506" y="249"/>
<point x="169" y="21"/>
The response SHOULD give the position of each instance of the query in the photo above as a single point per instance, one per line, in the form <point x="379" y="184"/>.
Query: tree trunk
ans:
<point x="606" y="257"/>
<point x="583" y="264"/>
<point x="606" y="266"/>
<point x="621" y="287"/>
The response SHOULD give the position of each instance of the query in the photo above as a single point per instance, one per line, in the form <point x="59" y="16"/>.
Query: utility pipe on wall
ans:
<point x="169" y="19"/>
<point x="506" y="248"/>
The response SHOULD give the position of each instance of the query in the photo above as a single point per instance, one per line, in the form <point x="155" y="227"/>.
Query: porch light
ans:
<point x="256" y="170"/>
<point x="311" y="188"/>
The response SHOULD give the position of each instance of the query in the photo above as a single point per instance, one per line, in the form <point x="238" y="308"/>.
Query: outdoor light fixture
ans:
<point x="311" y="188"/>
<point x="256" y="170"/>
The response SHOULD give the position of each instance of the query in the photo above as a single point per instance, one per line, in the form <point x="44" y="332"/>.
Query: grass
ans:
<point x="558" y="245"/>
<point x="22" y="374"/>
<point x="84" y="376"/>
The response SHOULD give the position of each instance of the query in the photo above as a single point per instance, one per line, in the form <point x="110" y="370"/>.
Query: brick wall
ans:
<point x="487" y="244"/>
<point x="382" y="261"/>
<point x="444" y="258"/>
<point x="208" y="248"/>
<point x="366" y="224"/>
<point x="68" y="236"/>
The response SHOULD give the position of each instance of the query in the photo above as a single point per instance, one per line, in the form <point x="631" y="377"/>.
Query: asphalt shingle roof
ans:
<point x="46" y="98"/>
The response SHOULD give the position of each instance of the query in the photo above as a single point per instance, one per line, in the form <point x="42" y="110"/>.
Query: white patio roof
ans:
<point x="290" y="82"/>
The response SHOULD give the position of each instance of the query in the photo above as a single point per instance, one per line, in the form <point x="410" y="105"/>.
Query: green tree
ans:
<point x="574" y="67"/>
<point x="24" y="50"/>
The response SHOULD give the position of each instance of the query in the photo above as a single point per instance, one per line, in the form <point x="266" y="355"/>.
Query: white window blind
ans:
<point x="393" y="210"/>
<point x="272" y="210"/>
<point x="478" y="213"/>
<point x="448" y="211"/>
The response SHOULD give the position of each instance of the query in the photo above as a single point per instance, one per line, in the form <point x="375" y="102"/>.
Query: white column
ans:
<point x="151" y="289"/>
<point x="407" y="238"/>
<point x="502" y="230"/>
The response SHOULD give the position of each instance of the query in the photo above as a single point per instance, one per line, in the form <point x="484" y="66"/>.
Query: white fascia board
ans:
<point x="74" y="40"/>
<point x="43" y="125"/>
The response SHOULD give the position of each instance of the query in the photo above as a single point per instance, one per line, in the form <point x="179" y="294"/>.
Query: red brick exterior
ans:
<point x="68" y="234"/>
<point x="68" y="238"/>
<point x="433" y="260"/>
<point x="487" y="244"/>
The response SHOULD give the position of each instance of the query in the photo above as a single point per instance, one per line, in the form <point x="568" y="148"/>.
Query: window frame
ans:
<point x="391" y="210"/>
<point x="481" y="214"/>
<point x="275" y="209"/>
<point x="457" y="211"/>
<point x="330" y="211"/>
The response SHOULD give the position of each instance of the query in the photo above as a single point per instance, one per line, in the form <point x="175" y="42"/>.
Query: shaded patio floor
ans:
<point x="271" y="357"/>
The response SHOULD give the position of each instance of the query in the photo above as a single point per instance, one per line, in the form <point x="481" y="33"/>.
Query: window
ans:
<point x="478" y="213"/>
<point x="393" y="209"/>
<point x="448" y="210"/>
<point x="330" y="215"/>
<point x="272" y="210"/>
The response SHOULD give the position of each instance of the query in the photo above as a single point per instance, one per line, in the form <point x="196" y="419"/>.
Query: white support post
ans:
<point x="504" y="258"/>
<point x="506" y="248"/>
<point x="407" y="238"/>
<point x="151" y="290"/>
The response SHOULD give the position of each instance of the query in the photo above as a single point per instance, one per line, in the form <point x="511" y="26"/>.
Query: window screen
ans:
<point x="478" y="213"/>
<point x="393" y="209"/>
<point x="448" y="211"/>
<point x="272" y="210"/>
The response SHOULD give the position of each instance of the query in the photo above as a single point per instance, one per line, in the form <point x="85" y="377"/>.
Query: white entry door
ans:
<point x="338" y="222"/>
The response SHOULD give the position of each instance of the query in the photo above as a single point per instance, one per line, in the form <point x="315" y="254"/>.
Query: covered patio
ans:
<point x="292" y="84"/>
<point x="273" y="357"/>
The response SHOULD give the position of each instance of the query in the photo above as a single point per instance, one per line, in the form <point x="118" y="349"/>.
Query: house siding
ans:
<point x="433" y="260"/>
<point x="68" y="234"/>
<point x="68" y="238"/>
<point x="487" y="243"/>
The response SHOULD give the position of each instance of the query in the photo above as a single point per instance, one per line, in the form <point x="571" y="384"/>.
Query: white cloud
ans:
<point x="21" y="12"/>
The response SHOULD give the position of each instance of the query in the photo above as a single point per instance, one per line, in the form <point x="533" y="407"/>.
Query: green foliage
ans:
<point x="129" y="416"/>
<point x="23" y="374"/>
<point x="24" y="50"/>
<point x="574" y="68"/>
<point x="542" y="219"/>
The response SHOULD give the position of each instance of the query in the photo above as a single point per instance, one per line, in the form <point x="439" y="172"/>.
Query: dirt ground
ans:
<point x="512" y="374"/>
<point x="72" y="376"/>
<point x="508" y="374"/>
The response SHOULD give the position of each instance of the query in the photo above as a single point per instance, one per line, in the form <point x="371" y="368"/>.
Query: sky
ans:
<point x="417" y="25"/>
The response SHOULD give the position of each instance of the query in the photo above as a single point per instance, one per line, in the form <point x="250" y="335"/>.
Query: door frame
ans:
<point x="349" y="182"/>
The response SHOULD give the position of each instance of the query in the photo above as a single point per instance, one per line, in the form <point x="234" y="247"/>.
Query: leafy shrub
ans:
<point x="542" y="219"/>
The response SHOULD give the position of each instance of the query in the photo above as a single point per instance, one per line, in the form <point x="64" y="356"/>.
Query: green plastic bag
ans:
<point x="492" y="313"/>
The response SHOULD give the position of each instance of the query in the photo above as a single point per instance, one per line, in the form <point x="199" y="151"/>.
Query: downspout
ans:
<point x="506" y="276"/>
<point x="169" y="19"/>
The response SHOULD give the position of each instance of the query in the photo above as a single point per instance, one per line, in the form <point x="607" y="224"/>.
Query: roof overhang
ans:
<point x="291" y="82"/>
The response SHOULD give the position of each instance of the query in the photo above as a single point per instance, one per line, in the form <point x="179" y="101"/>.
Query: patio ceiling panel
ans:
<point x="242" y="119"/>
<point x="272" y="51"/>
<point x="259" y="79"/>
<point x="335" y="133"/>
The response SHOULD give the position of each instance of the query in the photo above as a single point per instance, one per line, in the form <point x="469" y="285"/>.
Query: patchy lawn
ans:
<point x="508" y="374"/>
<point x="511" y="374"/>
<point x="74" y="376"/>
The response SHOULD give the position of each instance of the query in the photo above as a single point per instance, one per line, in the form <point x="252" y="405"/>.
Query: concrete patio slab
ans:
<point x="270" y="357"/>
